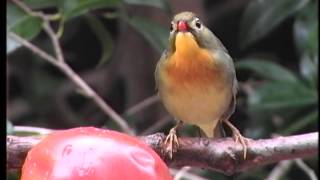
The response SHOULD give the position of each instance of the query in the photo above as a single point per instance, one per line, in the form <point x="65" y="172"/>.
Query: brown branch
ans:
<point x="64" y="67"/>
<point x="222" y="155"/>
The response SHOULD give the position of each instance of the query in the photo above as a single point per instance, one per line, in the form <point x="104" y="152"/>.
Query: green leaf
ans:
<point x="313" y="39"/>
<point x="274" y="96"/>
<point x="306" y="41"/>
<point x="300" y="31"/>
<point x="12" y="44"/>
<point x="73" y="8"/>
<point x="10" y="129"/>
<point x="103" y="36"/>
<point x="162" y="4"/>
<point x="305" y="30"/>
<point x="262" y="16"/>
<point x="22" y="24"/>
<point x="301" y="123"/>
<point x="153" y="32"/>
<point x="309" y="70"/>
<point x="13" y="175"/>
<point x="267" y="69"/>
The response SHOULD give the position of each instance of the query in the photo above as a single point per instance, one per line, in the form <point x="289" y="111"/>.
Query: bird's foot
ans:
<point x="242" y="140"/>
<point x="171" y="142"/>
<point x="239" y="138"/>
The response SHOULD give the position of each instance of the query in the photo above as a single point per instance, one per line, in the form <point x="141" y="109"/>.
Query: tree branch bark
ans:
<point x="222" y="155"/>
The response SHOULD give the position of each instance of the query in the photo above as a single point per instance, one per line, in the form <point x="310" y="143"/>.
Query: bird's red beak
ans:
<point x="182" y="26"/>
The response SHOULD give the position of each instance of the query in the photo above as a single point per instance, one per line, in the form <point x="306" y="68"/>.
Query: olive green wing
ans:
<point x="224" y="60"/>
<point x="160" y="63"/>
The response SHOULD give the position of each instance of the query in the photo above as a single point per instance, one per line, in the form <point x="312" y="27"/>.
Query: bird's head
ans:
<point x="187" y="23"/>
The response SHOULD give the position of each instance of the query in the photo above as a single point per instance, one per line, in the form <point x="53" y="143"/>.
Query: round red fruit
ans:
<point x="91" y="153"/>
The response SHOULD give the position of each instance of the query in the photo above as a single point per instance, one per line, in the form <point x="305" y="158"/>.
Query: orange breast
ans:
<point x="191" y="64"/>
<point x="192" y="87"/>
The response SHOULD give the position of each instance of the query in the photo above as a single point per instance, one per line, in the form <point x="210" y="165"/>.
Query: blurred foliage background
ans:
<point x="114" y="45"/>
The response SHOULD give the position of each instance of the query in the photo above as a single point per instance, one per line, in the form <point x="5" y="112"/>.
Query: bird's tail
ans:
<point x="219" y="131"/>
<point x="214" y="130"/>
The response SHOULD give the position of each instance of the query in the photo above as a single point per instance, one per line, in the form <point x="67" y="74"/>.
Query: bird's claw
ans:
<point x="242" y="140"/>
<point x="172" y="143"/>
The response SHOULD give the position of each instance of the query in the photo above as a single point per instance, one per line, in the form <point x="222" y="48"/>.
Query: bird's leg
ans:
<point x="171" y="140"/>
<point x="238" y="137"/>
<point x="200" y="133"/>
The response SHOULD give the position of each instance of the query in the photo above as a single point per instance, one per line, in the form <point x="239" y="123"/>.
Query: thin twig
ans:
<point x="90" y="93"/>
<point x="157" y="125"/>
<point x="279" y="170"/>
<point x="304" y="167"/>
<point x="186" y="174"/>
<point x="65" y="68"/>
<point x="39" y="14"/>
<point x="181" y="173"/>
<point x="30" y="129"/>
<point x="34" y="48"/>
<point x="28" y="10"/>
<point x="142" y="105"/>
<point x="223" y="155"/>
<point x="54" y="40"/>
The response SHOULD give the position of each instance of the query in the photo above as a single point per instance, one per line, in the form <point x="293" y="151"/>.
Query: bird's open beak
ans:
<point x="182" y="26"/>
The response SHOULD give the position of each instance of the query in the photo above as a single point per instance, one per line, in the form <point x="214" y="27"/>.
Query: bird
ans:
<point x="196" y="80"/>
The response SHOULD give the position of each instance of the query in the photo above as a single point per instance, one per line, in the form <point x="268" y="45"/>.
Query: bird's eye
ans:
<point x="198" y="24"/>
